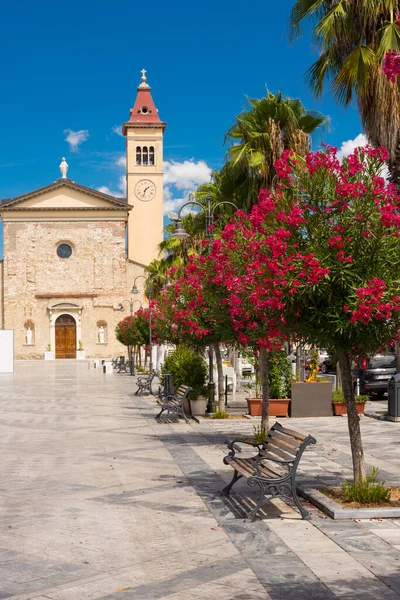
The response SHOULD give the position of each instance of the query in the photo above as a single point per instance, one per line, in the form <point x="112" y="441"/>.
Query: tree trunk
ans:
<point x="353" y="419"/>
<point x="264" y="389"/>
<point x="218" y="360"/>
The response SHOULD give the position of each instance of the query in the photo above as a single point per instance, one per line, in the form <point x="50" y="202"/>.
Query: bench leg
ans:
<point x="261" y="501"/>
<point x="227" y="488"/>
<point x="304" y="513"/>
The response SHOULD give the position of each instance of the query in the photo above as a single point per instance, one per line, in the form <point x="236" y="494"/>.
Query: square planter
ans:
<point x="80" y="355"/>
<point x="313" y="399"/>
<point x="198" y="407"/>
<point x="49" y="355"/>
<point x="277" y="407"/>
<point x="340" y="408"/>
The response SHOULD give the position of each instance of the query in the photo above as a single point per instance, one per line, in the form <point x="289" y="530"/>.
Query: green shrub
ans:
<point x="279" y="375"/>
<point x="369" y="491"/>
<point x="259" y="435"/>
<point x="220" y="414"/>
<point x="361" y="398"/>
<point x="337" y="396"/>
<point x="187" y="367"/>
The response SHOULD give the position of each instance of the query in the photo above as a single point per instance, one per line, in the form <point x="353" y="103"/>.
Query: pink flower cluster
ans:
<point x="391" y="65"/>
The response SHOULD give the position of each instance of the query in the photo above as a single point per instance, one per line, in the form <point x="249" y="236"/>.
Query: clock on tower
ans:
<point x="144" y="176"/>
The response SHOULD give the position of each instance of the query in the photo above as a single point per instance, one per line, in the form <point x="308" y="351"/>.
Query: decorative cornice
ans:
<point x="67" y="295"/>
<point x="63" y="183"/>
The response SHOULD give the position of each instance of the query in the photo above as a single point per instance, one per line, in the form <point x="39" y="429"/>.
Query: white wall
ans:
<point x="6" y="351"/>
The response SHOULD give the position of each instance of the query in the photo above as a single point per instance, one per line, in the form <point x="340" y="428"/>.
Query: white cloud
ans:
<point x="117" y="129"/>
<point x="350" y="145"/>
<point x="116" y="193"/>
<point x="186" y="175"/>
<point x="75" y="138"/>
<point x="121" y="161"/>
<point x="122" y="184"/>
<point x="106" y="190"/>
<point x="347" y="147"/>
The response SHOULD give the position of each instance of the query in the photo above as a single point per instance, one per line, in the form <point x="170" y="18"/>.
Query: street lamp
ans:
<point x="149" y="291"/>
<point x="131" y="303"/>
<point x="181" y="234"/>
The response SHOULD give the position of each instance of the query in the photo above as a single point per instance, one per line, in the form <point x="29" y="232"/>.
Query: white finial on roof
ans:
<point x="63" y="168"/>
<point x="144" y="83"/>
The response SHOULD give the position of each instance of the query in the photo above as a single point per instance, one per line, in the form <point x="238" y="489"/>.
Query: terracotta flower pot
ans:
<point x="277" y="407"/>
<point x="339" y="408"/>
<point x="254" y="406"/>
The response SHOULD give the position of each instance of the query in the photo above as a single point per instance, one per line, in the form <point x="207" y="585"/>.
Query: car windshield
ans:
<point x="382" y="361"/>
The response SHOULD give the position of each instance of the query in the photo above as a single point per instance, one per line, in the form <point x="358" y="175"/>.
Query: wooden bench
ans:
<point x="174" y="404"/>
<point x="274" y="468"/>
<point x="144" y="384"/>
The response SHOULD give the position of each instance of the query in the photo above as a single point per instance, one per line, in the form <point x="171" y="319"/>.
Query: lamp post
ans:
<point x="149" y="291"/>
<point x="181" y="234"/>
<point x="121" y="308"/>
<point x="209" y="210"/>
<point x="131" y="303"/>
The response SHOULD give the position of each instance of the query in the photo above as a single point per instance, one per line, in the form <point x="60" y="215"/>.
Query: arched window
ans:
<point x="145" y="155"/>
<point x="151" y="155"/>
<point x="102" y="332"/>
<point x="138" y="155"/>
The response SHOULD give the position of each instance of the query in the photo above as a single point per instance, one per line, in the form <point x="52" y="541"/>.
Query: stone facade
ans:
<point x="38" y="285"/>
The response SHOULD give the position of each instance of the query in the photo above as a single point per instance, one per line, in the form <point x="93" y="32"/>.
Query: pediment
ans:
<point x="64" y="194"/>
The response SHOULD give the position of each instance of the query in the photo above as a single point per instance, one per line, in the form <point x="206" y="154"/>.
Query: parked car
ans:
<point x="374" y="373"/>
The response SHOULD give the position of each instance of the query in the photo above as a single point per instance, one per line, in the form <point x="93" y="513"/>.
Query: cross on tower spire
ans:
<point x="144" y="78"/>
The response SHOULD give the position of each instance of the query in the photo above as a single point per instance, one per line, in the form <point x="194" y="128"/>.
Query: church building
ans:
<point x="71" y="253"/>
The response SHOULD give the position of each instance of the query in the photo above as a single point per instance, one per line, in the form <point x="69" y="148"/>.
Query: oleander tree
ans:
<point x="321" y="261"/>
<point x="191" y="311"/>
<point x="133" y="331"/>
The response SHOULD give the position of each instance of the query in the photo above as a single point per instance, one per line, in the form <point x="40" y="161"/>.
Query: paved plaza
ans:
<point x="99" y="501"/>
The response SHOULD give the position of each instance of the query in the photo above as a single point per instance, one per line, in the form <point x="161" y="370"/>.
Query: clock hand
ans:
<point x="145" y="190"/>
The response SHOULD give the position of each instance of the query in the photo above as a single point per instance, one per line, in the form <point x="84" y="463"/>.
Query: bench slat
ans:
<point x="291" y="432"/>
<point x="247" y="468"/>
<point x="290" y="454"/>
<point x="276" y="453"/>
<point x="291" y="444"/>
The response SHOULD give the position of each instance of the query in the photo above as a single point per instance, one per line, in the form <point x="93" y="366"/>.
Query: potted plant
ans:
<point x="49" y="354"/>
<point x="80" y="354"/>
<point x="339" y="405"/>
<point x="279" y="383"/>
<point x="312" y="398"/>
<point x="198" y="406"/>
<point x="254" y="401"/>
<point x="188" y="367"/>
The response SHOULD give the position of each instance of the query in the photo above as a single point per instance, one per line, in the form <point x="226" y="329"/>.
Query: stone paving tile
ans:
<point x="97" y="496"/>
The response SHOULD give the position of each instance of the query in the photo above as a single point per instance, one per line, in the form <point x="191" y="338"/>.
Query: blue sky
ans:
<point x="74" y="67"/>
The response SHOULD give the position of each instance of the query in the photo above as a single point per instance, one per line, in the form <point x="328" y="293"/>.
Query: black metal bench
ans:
<point x="174" y="404"/>
<point x="144" y="384"/>
<point x="122" y="364"/>
<point x="274" y="468"/>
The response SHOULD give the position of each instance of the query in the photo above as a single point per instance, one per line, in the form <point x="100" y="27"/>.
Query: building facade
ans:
<point x="71" y="253"/>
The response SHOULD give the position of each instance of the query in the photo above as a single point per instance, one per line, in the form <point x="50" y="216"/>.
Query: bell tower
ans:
<point x="144" y="176"/>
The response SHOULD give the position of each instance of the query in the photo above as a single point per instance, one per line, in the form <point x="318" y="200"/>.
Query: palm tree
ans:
<point x="353" y="37"/>
<point x="262" y="131"/>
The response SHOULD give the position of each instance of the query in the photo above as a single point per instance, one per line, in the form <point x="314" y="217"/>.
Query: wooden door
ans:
<point x="65" y="337"/>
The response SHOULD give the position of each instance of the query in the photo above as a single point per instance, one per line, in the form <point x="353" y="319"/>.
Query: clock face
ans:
<point x="145" y="190"/>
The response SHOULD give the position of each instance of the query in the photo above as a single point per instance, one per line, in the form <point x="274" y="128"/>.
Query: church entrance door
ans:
<point x="65" y="337"/>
